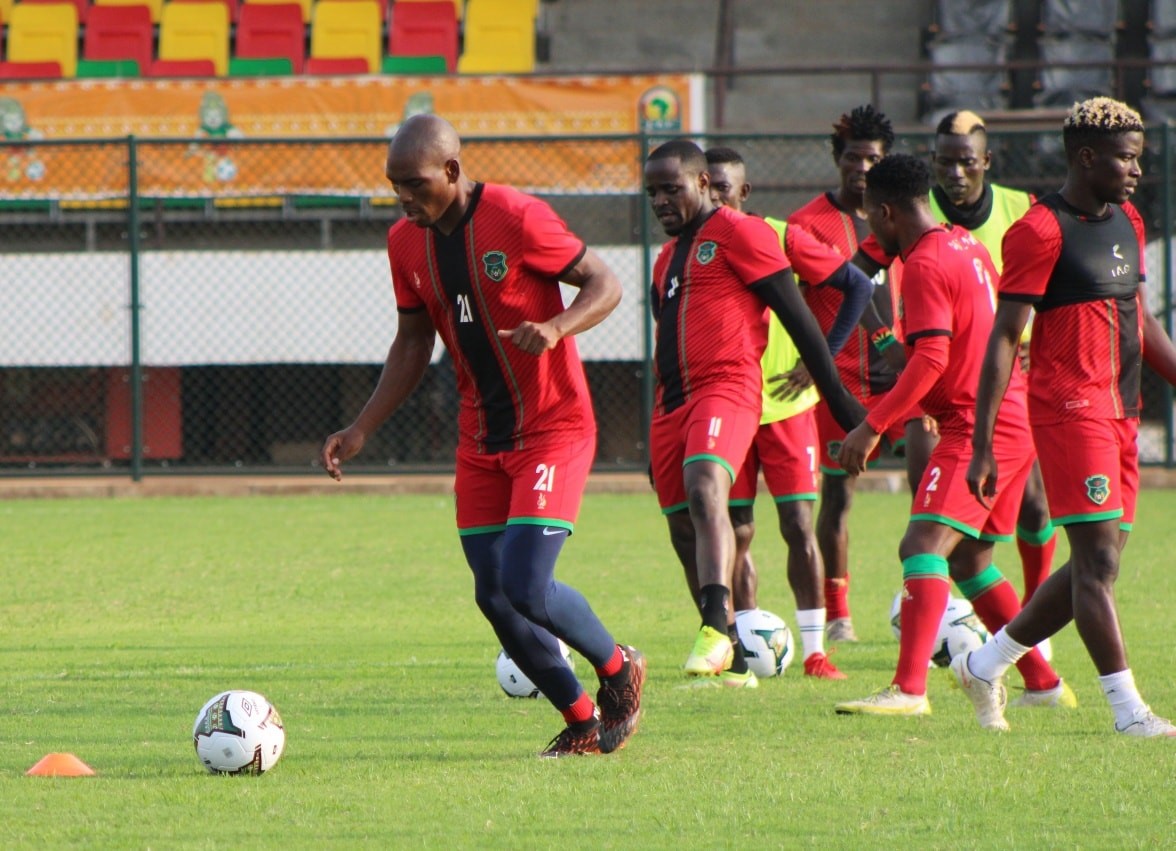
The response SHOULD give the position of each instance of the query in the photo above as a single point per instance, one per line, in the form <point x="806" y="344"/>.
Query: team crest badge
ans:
<point x="495" y="264"/>
<point x="1098" y="488"/>
<point x="706" y="252"/>
<point x="834" y="447"/>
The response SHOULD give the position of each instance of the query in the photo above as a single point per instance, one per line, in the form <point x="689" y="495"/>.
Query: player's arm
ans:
<point x="779" y="292"/>
<point x="600" y="293"/>
<point x="999" y="359"/>
<point x="856" y="290"/>
<point x="871" y="259"/>
<point x="928" y="361"/>
<point x="1158" y="351"/>
<point x="407" y="360"/>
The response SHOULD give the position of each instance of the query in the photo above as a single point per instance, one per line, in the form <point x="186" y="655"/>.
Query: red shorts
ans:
<point x="707" y="428"/>
<point x="943" y="495"/>
<point x="786" y="451"/>
<point x="542" y="487"/>
<point x="832" y="434"/>
<point x="1090" y="469"/>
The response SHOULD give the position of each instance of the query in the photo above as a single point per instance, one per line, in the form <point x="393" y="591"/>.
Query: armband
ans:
<point x="882" y="339"/>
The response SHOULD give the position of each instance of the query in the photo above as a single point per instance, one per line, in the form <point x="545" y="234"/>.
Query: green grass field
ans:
<point x="354" y="615"/>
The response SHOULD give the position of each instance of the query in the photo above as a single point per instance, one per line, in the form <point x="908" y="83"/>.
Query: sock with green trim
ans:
<point x="1037" y="552"/>
<point x="926" y="590"/>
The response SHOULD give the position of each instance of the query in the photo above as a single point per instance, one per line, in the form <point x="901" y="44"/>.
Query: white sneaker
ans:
<point x="888" y="701"/>
<point x="1060" y="696"/>
<point x="989" y="699"/>
<point x="840" y="629"/>
<point x="1146" y="725"/>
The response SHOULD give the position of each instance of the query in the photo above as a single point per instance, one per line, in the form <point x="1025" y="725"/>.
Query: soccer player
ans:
<point x="946" y="316"/>
<point x="711" y="283"/>
<point x="1076" y="258"/>
<point x="860" y="139"/>
<point x="785" y="445"/>
<point x="481" y="264"/>
<point x="963" y="196"/>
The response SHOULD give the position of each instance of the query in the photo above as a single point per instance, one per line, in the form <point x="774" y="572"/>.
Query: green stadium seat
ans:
<point x="414" y="65"/>
<point x="107" y="68"/>
<point x="245" y="67"/>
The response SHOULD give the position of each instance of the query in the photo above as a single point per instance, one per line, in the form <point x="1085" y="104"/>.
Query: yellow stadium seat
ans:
<point x="307" y="6"/>
<point x="347" y="29"/>
<point x="498" y="47"/>
<point x="481" y="11"/>
<point x="6" y="11"/>
<point x="155" y="6"/>
<point x="44" y="33"/>
<point x="196" y="31"/>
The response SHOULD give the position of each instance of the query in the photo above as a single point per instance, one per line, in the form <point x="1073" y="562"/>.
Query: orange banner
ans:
<point x="218" y="117"/>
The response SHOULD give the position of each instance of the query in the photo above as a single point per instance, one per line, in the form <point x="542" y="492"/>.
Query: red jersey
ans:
<point x="813" y="262"/>
<point x="948" y="282"/>
<point x="863" y="370"/>
<point x="501" y="266"/>
<point x="711" y="327"/>
<point x="1082" y="275"/>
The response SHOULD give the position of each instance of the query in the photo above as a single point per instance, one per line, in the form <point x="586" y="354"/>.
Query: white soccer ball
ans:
<point x="513" y="681"/>
<point x="959" y="630"/>
<point x="238" y="732"/>
<point x="766" y="641"/>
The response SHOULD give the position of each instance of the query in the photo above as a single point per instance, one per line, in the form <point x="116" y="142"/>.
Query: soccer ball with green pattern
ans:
<point x="238" y="732"/>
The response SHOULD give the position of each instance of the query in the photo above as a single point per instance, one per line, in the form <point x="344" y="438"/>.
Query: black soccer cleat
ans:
<point x="619" y="699"/>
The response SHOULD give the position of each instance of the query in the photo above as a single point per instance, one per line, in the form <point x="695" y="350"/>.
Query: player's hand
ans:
<point x="339" y="447"/>
<point x="856" y="448"/>
<point x="534" y="338"/>
<point x="788" y="385"/>
<point x="930" y="425"/>
<point x="981" y="477"/>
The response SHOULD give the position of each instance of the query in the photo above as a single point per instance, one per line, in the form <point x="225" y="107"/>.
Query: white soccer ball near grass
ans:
<point x="513" y="681"/>
<point x="766" y="641"/>
<point x="238" y="732"/>
<point x="960" y="630"/>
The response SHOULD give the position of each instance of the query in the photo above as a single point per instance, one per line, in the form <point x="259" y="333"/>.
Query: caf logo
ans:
<point x="659" y="110"/>
<point x="495" y="264"/>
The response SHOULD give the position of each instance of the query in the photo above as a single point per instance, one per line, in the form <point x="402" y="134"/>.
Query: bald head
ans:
<point x="425" y="139"/>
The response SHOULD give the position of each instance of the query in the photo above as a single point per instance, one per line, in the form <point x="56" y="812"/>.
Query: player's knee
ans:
<point x="1095" y="567"/>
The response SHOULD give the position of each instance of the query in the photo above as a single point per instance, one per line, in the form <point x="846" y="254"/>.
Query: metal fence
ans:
<point x="222" y="331"/>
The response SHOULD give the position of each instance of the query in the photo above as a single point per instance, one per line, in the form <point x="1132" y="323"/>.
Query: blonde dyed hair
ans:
<point x="1102" y="115"/>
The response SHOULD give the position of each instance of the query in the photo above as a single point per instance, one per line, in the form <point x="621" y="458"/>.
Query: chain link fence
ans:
<point x="225" y="324"/>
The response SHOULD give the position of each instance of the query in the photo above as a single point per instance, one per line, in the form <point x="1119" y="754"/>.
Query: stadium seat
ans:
<point x="330" y="66"/>
<point x="30" y="70"/>
<point x="499" y="47"/>
<point x="1161" y="19"/>
<point x="1096" y="19"/>
<point x="244" y="67"/>
<point x="120" y="32"/>
<point x="83" y="6"/>
<point x="381" y="7"/>
<point x="346" y="30"/>
<point x="415" y="65"/>
<point x="424" y="29"/>
<point x="959" y="89"/>
<point x="307" y="6"/>
<point x="182" y="68"/>
<point x="458" y="6"/>
<point x="232" y="6"/>
<point x="6" y="10"/>
<point x="195" y="31"/>
<point x="156" y="6"/>
<point x="272" y="31"/>
<point x="957" y="18"/>
<point x="1064" y="86"/>
<point x="98" y="69"/>
<point x="44" y="33"/>
<point x="1163" y="77"/>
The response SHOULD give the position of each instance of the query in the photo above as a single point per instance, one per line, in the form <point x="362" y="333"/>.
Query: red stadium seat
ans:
<point x="326" y="66"/>
<point x="120" y="32"/>
<point x="181" y="68"/>
<point x="30" y="70"/>
<point x="83" y="6"/>
<point x="272" y="32"/>
<point x="424" y="29"/>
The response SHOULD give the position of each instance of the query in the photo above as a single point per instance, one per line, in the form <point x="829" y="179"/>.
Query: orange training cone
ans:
<point x="60" y="765"/>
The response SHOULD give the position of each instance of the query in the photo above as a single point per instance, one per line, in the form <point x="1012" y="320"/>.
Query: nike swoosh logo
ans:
<point x="547" y="530"/>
